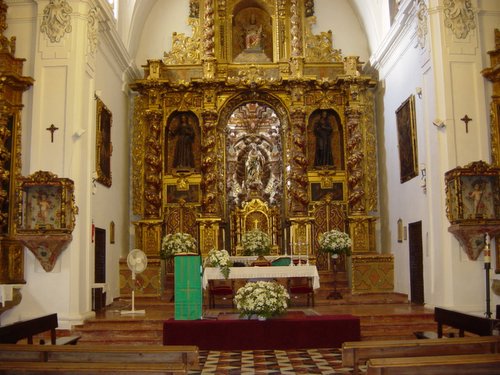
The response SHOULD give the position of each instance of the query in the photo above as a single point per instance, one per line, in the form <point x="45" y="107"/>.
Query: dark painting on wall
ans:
<point x="407" y="139"/>
<point x="104" y="147"/>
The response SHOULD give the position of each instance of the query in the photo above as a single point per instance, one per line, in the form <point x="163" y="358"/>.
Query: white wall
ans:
<point x="448" y="73"/>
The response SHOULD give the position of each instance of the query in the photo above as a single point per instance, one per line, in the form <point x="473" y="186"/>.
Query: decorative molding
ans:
<point x="422" y="28"/>
<point x="92" y="31"/>
<point x="56" y="20"/>
<point x="459" y="17"/>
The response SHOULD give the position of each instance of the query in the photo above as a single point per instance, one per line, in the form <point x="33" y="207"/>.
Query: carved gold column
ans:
<point x="12" y="86"/>
<point x="153" y="165"/>
<point x="492" y="73"/>
<point x="297" y="181"/>
<point x="212" y="197"/>
<point x="211" y="174"/>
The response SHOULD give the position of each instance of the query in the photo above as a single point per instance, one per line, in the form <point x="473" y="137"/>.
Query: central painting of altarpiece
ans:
<point x="253" y="122"/>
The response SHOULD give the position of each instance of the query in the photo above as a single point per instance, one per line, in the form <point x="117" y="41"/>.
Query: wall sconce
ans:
<point x="438" y="123"/>
<point x="419" y="92"/>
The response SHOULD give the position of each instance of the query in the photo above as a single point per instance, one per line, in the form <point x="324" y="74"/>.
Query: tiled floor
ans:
<point x="273" y="362"/>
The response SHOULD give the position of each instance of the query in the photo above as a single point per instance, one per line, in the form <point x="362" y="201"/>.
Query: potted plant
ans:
<point x="335" y="243"/>
<point x="171" y="244"/>
<point x="221" y="259"/>
<point x="175" y="243"/>
<point x="262" y="298"/>
<point x="256" y="242"/>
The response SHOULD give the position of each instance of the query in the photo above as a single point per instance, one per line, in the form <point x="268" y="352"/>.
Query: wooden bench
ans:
<point x="90" y="368"/>
<point x="466" y="364"/>
<point x="358" y="352"/>
<point x="464" y="322"/>
<point x="166" y="359"/>
<point x="26" y="329"/>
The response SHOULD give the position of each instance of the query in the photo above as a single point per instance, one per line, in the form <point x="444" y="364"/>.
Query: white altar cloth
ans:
<point x="270" y="272"/>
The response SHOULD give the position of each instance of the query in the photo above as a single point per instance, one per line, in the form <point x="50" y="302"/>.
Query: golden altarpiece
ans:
<point x="12" y="86"/>
<point x="256" y="122"/>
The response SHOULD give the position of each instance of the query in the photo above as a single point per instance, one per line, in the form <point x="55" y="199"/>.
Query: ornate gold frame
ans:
<point x="46" y="213"/>
<point x="104" y="147"/>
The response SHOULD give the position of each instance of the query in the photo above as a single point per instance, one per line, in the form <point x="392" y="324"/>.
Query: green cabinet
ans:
<point x="188" y="293"/>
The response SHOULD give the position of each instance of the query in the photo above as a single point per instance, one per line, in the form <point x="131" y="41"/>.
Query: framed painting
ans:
<point x="104" y="147"/>
<point x="407" y="139"/>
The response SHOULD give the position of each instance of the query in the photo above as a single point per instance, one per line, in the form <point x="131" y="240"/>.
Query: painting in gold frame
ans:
<point x="407" y="139"/>
<point x="104" y="147"/>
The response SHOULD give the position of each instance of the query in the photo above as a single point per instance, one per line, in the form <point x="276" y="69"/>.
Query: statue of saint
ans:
<point x="253" y="167"/>
<point x="253" y="34"/>
<point x="323" y="131"/>
<point x="183" y="153"/>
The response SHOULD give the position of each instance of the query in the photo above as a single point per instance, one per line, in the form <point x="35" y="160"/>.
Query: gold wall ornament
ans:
<point x="319" y="48"/>
<point x="56" y="21"/>
<point x="459" y="17"/>
<point x="185" y="49"/>
<point x="46" y="214"/>
<point x="473" y="205"/>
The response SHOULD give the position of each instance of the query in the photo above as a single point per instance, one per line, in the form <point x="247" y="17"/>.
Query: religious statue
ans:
<point x="183" y="153"/>
<point x="476" y="196"/>
<point x="323" y="131"/>
<point x="254" y="167"/>
<point x="253" y="34"/>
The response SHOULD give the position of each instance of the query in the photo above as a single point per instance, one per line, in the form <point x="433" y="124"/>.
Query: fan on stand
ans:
<point x="137" y="262"/>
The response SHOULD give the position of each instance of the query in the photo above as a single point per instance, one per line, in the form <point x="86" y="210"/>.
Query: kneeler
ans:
<point x="188" y="293"/>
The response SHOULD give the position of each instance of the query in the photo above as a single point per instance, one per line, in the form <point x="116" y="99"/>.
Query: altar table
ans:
<point x="271" y="272"/>
<point x="323" y="331"/>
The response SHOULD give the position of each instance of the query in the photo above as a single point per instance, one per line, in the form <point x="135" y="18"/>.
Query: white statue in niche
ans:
<point x="254" y="167"/>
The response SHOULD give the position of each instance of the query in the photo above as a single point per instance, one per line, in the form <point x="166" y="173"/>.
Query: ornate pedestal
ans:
<point x="372" y="273"/>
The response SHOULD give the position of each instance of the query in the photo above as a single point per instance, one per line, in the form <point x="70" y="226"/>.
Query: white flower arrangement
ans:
<point x="219" y="258"/>
<point x="335" y="242"/>
<point x="256" y="242"/>
<point x="262" y="298"/>
<point x="175" y="243"/>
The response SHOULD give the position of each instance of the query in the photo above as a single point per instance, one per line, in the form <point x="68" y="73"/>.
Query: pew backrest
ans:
<point x="464" y="322"/>
<point x="26" y="329"/>
<point x="477" y="364"/>
<point x="358" y="352"/>
<point x="187" y="355"/>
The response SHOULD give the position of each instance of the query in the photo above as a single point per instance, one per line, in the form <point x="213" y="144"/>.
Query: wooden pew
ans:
<point x="465" y="364"/>
<point x="91" y="368"/>
<point x="165" y="359"/>
<point x="358" y="352"/>
<point x="26" y="329"/>
<point x="478" y="325"/>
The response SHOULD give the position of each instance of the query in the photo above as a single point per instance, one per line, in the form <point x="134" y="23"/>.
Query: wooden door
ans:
<point x="416" y="262"/>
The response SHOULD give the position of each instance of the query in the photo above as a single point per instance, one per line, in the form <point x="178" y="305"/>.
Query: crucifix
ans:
<point x="52" y="129"/>
<point x="466" y="119"/>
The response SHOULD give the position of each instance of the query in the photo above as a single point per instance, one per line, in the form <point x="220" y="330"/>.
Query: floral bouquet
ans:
<point x="335" y="242"/>
<point x="177" y="243"/>
<point x="219" y="258"/>
<point x="263" y="298"/>
<point x="256" y="242"/>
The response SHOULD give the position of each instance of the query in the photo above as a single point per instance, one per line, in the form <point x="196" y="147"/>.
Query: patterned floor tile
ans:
<point x="272" y="362"/>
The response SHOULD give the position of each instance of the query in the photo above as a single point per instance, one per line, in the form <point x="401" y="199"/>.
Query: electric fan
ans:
<point x="136" y="262"/>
